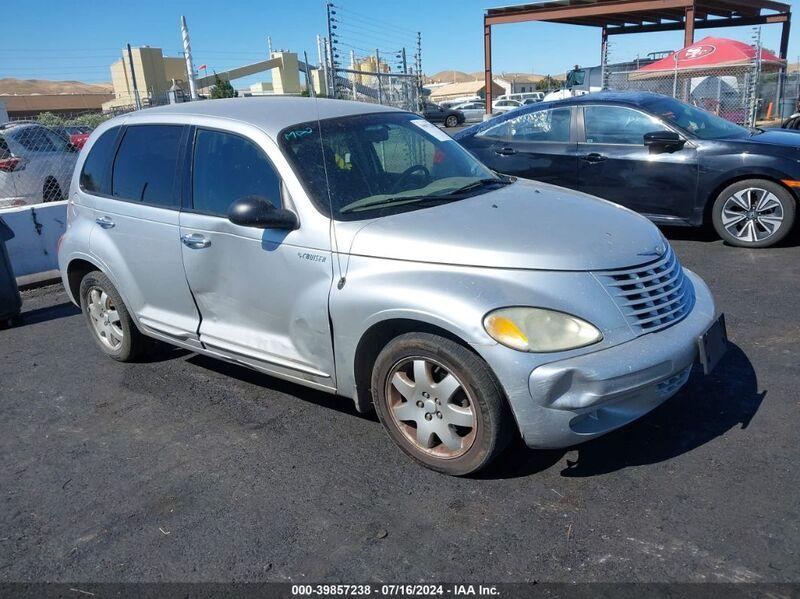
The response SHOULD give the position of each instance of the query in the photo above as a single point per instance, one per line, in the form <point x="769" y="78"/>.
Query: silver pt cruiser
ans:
<point x="357" y="249"/>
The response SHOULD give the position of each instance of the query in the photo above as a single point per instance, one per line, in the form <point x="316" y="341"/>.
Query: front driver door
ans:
<point x="614" y="163"/>
<point x="535" y="145"/>
<point x="262" y="293"/>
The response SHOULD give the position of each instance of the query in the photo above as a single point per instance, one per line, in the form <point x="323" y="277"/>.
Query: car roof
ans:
<point x="271" y="114"/>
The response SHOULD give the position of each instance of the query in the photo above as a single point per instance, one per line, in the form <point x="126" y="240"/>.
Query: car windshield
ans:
<point x="365" y="166"/>
<point x="696" y="121"/>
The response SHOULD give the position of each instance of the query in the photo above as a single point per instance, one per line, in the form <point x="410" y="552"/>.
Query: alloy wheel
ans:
<point x="431" y="407"/>
<point x="752" y="214"/>
<point x="105" y="318"/>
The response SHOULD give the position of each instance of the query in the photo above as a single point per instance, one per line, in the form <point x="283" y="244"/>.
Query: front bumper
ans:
<point x="576" y="399"/>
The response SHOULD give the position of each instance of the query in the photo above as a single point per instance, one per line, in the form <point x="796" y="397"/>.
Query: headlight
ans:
<point x="539" y="330"/>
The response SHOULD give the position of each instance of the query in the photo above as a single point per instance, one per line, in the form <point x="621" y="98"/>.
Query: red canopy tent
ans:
<point x="707" y="56"/>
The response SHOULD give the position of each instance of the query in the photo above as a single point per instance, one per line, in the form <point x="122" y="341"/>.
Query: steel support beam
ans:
<point x="710" y="24"/>
<point x="688" y="24"/>
<point x="590" y="10"/>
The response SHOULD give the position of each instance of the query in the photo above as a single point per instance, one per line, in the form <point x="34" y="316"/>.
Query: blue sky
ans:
<point x="79" y="39"/>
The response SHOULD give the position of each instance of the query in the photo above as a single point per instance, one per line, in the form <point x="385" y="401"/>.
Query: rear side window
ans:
<point x="540" y="126"/>
<point x="146" y="167"/>
<point x="228" y="167"/>
<point x="96" y="172"/>
<point x="35" y="139"/>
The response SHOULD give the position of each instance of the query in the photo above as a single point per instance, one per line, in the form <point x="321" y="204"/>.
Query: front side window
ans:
<point x="228" y="167"/>
<point x="539" y="126"/>
<point x="618" y="125"/>
<point x="698" y="122"/>
<point x="365" y="166"/>
<point x="146" y="166"/>
<point x="96" y="171"/>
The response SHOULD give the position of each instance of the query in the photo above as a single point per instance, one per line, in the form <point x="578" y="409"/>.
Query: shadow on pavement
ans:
<point x="706" y="408"/>
<point x="253" y="377"/>
<point x="38" y="315"/>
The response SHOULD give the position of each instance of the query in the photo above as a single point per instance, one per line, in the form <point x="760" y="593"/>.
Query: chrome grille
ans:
<point x="652" y="296"/>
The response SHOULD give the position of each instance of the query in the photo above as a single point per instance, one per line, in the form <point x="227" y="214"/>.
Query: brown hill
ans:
<point x="450" y="77"/>
<point x="11" y="86"/>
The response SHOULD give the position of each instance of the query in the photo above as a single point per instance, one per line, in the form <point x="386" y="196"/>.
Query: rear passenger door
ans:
<point x="262" y="293"/>
<point x="536" y="145"/>
<point x="137" y="207"/>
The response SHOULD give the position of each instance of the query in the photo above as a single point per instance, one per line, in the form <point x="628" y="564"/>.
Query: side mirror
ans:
<point x="663" y="141"/>
<point x="258" y="212"/>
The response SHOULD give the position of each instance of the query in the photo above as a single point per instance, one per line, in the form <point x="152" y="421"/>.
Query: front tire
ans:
<point x="754" y="213"/>
<point x="440" y="403"/>
<point x="451" y="121"/>
<point x="108" y="319"/>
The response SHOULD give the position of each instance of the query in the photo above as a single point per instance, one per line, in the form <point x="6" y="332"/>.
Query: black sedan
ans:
<point x="672" y="162"/>
<point x="449" y="117"/>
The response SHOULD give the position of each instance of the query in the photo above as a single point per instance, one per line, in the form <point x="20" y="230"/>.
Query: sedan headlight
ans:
<point x="539" y="330"/>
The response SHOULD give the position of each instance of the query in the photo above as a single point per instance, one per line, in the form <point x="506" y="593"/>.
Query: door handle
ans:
<point x="105" y="222"/>
<point x="195" y="241"/>
<point x="594" y="158"/>
<point x="505" y="151"/>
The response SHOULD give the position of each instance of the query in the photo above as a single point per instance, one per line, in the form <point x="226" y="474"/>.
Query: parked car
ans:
<point x="523" y="97"/>
<point x="473" y="111"/>
<point x="450" y="117"/>
<point x="672" y="162"/>
<point x="502" y="106"/>
<point x="75" y="134"/>
<point x="35" y="164"/>
<point x="357" y="249"/>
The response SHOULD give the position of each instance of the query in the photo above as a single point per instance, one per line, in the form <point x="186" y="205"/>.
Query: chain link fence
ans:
<point x="392" y="89"/>
<point x="728" y="92"/>
<point x="37" y="156"/>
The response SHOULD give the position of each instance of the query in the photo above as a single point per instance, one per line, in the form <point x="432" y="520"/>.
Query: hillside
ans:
<point x="11" y="86"/>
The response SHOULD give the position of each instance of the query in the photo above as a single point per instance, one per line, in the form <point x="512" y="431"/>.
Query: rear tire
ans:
<point x="440" y="403"/>
<point x="108" y="319"/>
<point x="754" y="213"/>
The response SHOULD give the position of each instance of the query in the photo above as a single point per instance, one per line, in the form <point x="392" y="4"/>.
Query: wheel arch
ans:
<point x="77" y="268"/>
<point x="375" y="338"/>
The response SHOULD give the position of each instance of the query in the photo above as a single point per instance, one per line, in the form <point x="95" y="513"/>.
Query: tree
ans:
<point x="222" y="89"/>
<point x="48" y="119"/>
<point x="547" y="83"/>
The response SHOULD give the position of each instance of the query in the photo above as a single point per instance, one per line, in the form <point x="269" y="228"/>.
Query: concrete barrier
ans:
<point x="37" y="229"/>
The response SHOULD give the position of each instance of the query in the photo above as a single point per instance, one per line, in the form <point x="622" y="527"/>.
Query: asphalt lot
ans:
<point x="188" y="469"/>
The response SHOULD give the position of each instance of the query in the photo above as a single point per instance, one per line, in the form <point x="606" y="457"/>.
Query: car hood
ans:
<point x="772" y="137"/>
<point x="526" y="225"/>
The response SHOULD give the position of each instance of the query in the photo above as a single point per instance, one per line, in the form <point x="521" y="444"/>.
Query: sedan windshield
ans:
<point x="365" y="166"/>
<point x="700" y="123"/>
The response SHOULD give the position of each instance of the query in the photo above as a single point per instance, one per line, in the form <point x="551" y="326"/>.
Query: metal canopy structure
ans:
<point x="615" y="17"/>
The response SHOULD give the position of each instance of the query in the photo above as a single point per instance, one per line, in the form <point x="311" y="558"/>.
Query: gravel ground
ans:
<point x="188" y="469"/>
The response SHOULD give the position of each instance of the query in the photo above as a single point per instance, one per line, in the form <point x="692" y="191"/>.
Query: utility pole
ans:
<point x="353" y="75"/>
<point x="378" y="75"/>
<point x="269" y="46"/>
<point x="187" y="53"/>
<point x="137" y="103"/>
<point x="309" y="86"/>
<point x="330" y="54"/>
<point x="418" y="59"/>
